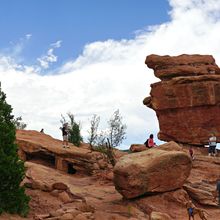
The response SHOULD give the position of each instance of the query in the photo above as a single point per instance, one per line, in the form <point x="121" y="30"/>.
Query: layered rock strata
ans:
<point x="42" y="148"/>
<point x="154" y="170"/>
<point x="187" y="99"/>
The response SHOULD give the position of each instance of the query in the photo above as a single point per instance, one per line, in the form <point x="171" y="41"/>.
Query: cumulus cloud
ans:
<point x="111" y="75"/>
<point x="50" y="57"/>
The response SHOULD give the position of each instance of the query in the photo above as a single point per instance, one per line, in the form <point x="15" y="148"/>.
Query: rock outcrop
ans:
<point x="138" y="147"/>
<point x="154" y="170"/>
<point x="187" y="99"/>
<point x="56" y="195"/>
<point x="43" y="148"/>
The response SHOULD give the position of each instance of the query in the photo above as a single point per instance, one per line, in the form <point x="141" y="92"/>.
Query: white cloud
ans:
<point x="110" y="75"/>
<point x="56" y="44"/>
<point x="49" y="58"/>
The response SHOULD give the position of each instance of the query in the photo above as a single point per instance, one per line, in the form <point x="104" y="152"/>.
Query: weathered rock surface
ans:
<point x="138" y="147"/>
<point x="43" y="148"/>
<point x="94" y="196"/>
<point x="201" y="184"/>
<point x="154" y="170"/>
<point x="187" y="99"/>
<point x="82" y="197"/>
<point x="166" y="67"/>
<point x="159" y="216"/>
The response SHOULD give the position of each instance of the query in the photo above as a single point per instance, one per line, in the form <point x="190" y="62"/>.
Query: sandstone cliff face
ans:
<point x="187" y="99"/>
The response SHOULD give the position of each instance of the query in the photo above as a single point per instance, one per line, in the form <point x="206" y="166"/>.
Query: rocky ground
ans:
<point x="57" y="195"/>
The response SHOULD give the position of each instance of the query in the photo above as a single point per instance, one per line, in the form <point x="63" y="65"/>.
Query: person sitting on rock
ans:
<point x="150" y="141"/>
<point x="212" y="145"/>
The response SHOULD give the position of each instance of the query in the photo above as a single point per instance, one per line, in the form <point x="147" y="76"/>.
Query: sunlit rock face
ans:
<point x="155" y="170"/>
<point x="187" y="99"/>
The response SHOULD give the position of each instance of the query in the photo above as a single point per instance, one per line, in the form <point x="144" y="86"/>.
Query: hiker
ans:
<point x="150" y="142"/>
<point x="190" y="209"/>
<point x="42" y="130"/>
<point x="212" y="145"/>
<point x="65" y="135"/>
<point x="191" y="153"/>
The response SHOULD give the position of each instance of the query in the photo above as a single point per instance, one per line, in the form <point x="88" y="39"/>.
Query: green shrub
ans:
<point x="12" y="171"/>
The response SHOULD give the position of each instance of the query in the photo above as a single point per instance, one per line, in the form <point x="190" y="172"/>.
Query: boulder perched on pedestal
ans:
<point x="150" y="171"/>
<point x="187" y="99"/>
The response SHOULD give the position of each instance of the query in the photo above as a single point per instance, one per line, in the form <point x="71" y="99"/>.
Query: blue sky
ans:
<point x="73" y="22"/>
<point x="87" y="57"/>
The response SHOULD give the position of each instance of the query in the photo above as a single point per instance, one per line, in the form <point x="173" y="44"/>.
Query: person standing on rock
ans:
<point x="212" y="145"/>
<point x="190" y="210"/>
<point x="65" y="135"/>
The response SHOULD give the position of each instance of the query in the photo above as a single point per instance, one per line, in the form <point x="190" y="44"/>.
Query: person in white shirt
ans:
<point x="212" y="145"/>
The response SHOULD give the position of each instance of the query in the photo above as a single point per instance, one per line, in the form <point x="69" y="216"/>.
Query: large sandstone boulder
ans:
<point x="166" y="67"/>
<point x="151" y="171"/>
<point x="187" y="99"/>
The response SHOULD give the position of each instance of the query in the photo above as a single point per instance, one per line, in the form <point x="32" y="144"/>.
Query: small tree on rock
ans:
<point x="74" y="135"/>
<point x="19" y="124"/>
<point x="117" y="129"/>
<point x="12" y="171"/>
<point x="93" y="132"/>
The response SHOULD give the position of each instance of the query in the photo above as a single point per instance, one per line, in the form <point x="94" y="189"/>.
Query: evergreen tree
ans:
<point x="12" y="171"/>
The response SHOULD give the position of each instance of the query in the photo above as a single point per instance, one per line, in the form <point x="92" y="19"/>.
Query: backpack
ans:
<point x="190" y="210"/>
<point x="146" y="143"/>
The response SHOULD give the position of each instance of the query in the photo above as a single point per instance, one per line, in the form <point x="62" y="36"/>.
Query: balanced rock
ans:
<point x="166" y="67"/>
<point x="187" y="99"/>
<point x="151" y="171"/>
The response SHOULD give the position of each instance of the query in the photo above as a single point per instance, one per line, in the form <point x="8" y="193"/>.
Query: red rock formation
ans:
<point x="56" y="195"/>
<point x="138" y="147"/>
<point x="187" y="99"/>
<point x="154" y="170"/>
<point x="42" y="148"/>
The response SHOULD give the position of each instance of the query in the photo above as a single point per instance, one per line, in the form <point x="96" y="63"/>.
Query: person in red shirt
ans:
<point x="151" y="142"/>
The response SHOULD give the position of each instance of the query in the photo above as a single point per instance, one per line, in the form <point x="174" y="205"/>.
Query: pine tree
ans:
<point x="12" y="171"/>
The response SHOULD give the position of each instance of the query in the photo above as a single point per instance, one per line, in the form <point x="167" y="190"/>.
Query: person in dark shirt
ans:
<point x="65" y="135"/>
